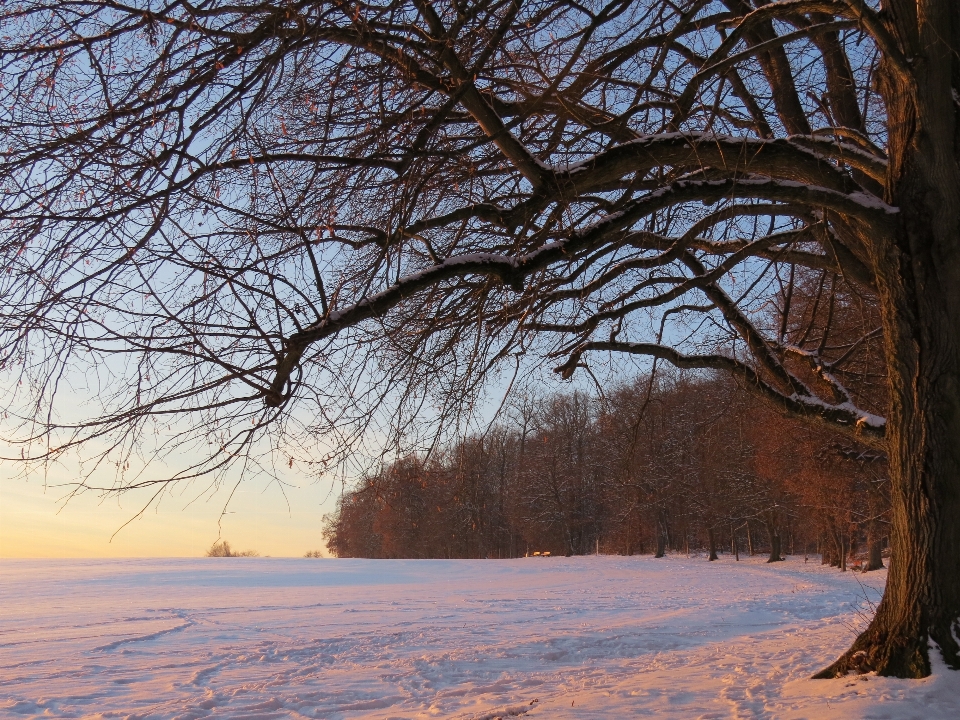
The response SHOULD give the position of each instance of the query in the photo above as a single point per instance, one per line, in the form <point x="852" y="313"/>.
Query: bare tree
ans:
<point x="259" y="223"/>
<point x="559" y="477"/>
<point x="221" y="548"/>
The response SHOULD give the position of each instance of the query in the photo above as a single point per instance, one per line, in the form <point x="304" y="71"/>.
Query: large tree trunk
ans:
<point x="661" y="536"/>
<point x="661" y="546"/>
<point x="875" y="555"/>
<point x="773" y="532"/>
<point x="711" y="535"/>
<point x="874" y="548"/>
<point x="836" y="549"/>
<point x="919" y="283"/>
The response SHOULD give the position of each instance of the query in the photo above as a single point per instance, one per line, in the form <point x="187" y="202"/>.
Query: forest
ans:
<point x="672" y="465"/>
<point x="663" y="462"/>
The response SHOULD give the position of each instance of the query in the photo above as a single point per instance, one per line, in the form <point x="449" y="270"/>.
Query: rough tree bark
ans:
<point x="919" y="283"/>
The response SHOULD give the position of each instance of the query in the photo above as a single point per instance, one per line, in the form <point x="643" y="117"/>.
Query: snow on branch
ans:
<point x="865" y="426"/>
<point x="860" y="206"/>
<point x="782" y="159"/>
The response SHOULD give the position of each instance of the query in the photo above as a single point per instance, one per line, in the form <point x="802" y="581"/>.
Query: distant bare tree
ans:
<point x="222" y="548"/>
<point x="255" y="222"/>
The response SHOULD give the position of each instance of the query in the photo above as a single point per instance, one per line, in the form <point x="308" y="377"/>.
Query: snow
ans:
<point x="588" y="637"/>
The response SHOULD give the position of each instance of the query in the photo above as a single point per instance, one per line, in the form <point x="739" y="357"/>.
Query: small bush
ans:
<point x="313" y="554"/>
<point x="221" y="548"/>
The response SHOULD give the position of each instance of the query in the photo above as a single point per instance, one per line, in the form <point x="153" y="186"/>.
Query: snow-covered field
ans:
<point x="590" y="637"/>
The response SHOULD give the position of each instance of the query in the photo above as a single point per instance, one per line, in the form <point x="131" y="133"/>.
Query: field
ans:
<point x="588" y="637"/>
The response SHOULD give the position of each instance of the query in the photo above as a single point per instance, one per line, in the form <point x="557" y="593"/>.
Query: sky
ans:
<point x="36" y="523"/>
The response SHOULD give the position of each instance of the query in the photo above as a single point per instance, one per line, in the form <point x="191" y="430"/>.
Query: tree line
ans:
<point x="667" y="464"/>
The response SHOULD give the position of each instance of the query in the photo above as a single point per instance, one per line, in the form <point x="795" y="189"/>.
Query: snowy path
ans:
<point x="592" y="637"/>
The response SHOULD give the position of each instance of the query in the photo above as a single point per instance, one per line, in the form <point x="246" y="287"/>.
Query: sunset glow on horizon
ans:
<point x="35" y="522"/>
